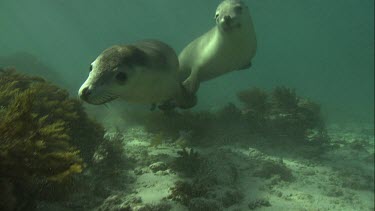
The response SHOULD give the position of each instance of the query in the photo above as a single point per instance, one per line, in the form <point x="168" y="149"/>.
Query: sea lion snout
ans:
<point x="84" y="93"/>
<point x="227" y="19"/>
<point x="95" y="96"/>
<point x="227" y="23"/>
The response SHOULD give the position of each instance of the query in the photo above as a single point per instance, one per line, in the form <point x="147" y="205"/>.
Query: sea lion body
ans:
<point x="228" y="46"/>
<point x="144" y="72"/>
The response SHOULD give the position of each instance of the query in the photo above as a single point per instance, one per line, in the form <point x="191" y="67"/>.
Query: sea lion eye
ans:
<point x="121" y="77"/>
<point x="217" y="15"/>
<point x="90" y="68"/>
<point x="238" y="9"/>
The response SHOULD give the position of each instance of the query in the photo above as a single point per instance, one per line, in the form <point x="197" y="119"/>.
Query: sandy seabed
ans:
<point x="236" y="176"/>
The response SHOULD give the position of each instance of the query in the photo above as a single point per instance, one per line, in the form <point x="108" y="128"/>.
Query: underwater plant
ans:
<point x="278" y="115"/>
<point x="45" y="137"/>
<point x="270" y="168"/>
<point x="254" y="100"/>
<point x="31" y="149"/>
<point x="184" y="192"/>
<point x="163" y="206"/>
<point x="157" y="140"/>
<point x="110" y="152"/>
<point x="229" y="113"/>
<point x="109" y="165"/>
<point x="310" y="111"/>
<point x="255" y="108"/>
<point x="188" y="163"/>
<point x="170" y="124"/>
<point x="295" y="117"/>
<point x="257" y="203"/>
<point x="283" y="115"/>
<point x="284" y="99"/>
<point x="53" y="103"/>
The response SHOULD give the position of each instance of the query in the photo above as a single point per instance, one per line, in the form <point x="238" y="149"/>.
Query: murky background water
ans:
<point x="277" y="155"/>
<point x="324" y="48"/>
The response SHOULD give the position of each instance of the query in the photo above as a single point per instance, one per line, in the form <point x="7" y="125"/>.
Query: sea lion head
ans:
<point x="231" y="14"/>
<point x="111" y="72"/>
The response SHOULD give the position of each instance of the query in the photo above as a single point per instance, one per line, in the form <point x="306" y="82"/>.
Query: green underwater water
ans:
<point x="323" y="49"/>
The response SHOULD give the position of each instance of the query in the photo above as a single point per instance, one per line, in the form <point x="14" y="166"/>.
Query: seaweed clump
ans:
<point x="32" y="147"/>
<point x="255" y="108"/>
<point x="258" y="203"/>
<point x="254" y="100"/>
<point x="45" y="137"/>
<point x="183" y="191"/>
<point x="51" y="103"/>
<point x="188" y="163"/>
<point x="282" y="114"/>
<point x="277" y="115"/>
<point x="170" y="124"/>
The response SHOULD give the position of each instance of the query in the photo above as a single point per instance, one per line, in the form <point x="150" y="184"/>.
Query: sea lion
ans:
<point x="145" y="72"/>
<point x="228" y="46"/>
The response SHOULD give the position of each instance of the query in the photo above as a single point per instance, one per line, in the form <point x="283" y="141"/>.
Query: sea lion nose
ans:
<point x="227" y="18"/>
<point x="85" y="93"/>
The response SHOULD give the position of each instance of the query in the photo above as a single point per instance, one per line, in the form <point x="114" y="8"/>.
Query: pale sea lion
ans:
<point x="144" y="72"/>
<point x="228" y="46"/>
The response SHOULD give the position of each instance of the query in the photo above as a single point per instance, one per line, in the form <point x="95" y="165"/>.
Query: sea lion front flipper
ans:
<point x="189" y="102"/>
<point x="191" y="84"/>
<point x="246" y="66"/>
<point x="153" y="107"/>
<point x="186" y="99"/>
<point x="167" y="106"/>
